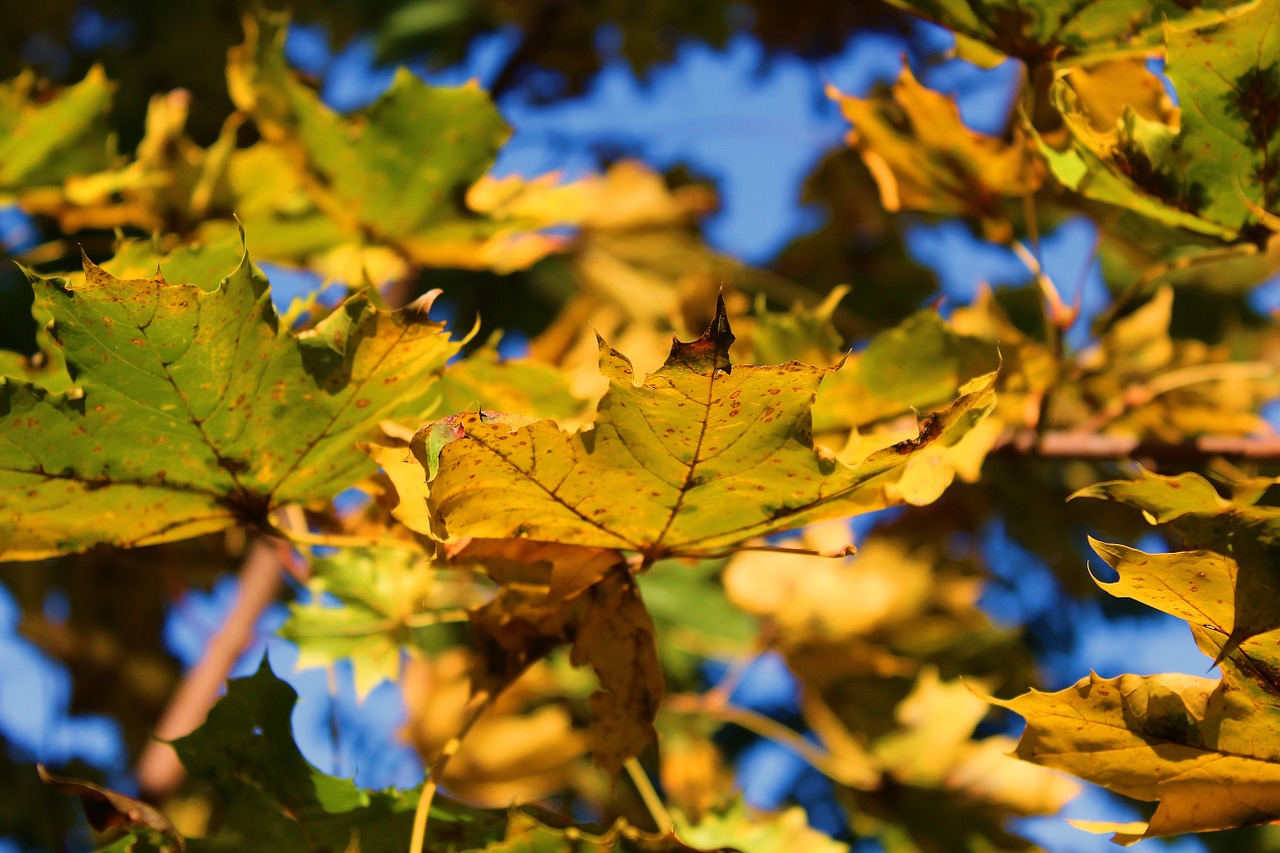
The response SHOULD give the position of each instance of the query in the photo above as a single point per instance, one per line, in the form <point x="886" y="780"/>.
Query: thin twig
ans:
<point x="652" y="801"/>
<point x="821" y="760"/>
<point x="479" y="703"/>
<point x="1093" y="446"/>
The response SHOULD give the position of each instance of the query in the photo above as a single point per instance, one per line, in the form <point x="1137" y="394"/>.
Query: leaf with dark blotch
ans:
<point x="197" y="409"/>
<point x="1062" y="30"/>
<point x="700" y="457"/>
<point x="1212" y="169"/>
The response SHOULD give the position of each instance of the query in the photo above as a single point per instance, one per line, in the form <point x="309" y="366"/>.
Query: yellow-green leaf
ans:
<point x="700" y="457"/>
<point x="45" y="140"/>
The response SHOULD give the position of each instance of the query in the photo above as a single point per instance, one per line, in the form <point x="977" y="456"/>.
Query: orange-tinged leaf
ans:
<point x="700" y="457"/>
<point x="924" y="158"/>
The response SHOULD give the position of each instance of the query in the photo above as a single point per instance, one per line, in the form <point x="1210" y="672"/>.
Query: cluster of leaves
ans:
<point x="547" y="550"/>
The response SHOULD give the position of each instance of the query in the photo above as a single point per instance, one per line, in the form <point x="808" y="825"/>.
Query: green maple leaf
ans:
<point x="391" y="176"/>
<point x="701" y="457"/>
<point x="1213" y="171"/>
<point x="1205" y="748"/>
<point x="274" y="800"/>
<point x="197" y="409"/>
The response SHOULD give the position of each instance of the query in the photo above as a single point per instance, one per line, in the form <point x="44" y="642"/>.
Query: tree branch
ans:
<point x="159" y="771"/>
<point x="1090" y="445"/>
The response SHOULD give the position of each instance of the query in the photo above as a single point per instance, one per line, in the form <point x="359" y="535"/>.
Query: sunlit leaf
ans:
<point x="385" y="599"/>
<point x="741" y="828"/>
<point x="1211" y="170"/>
<point x="924" y="158"/>
<point x="610" y="630"/>
<point x="1063" y="29"/>
<point x="702" y="456"/>
<point x="1204" y="748"/>
<point x="197" y="410"/>
<point x="330" y="189"/>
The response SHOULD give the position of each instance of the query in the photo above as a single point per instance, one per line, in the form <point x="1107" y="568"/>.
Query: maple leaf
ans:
<point x="273" y="799"/>
<point x="701" y="457"/>
<point x="1206" y="749"/>
<point x="197" y="409"/>
<point x="924" y="158"/>
<point x="388" y="598"/>
<point x="337" y="191"/>
<point x="1211" y="169"/>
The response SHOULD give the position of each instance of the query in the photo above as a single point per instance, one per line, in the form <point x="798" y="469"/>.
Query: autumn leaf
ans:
<point x="701" y="457"/>
<point x="745" y="829"/>
<point x="527" y="746"/>
<point x="387" y="598"/>
<point x="924" y="158"/>
<point x="170" y="184"/>
<point x="1140" y="380"/>
<point x="943" y="784"/>
<point x="918" y="365"/>
<point x="588" y="598"/>
<point x="484" y="380"/>
<point x="197" y="410"/>
<point x="337" y="191"/>
<point x="1204" y="748"/>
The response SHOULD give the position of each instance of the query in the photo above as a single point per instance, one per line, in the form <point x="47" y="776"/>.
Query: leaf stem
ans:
<point x="652" y="801"/>
<point x="821" y="760"/>
<point x="479" y="703"/>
